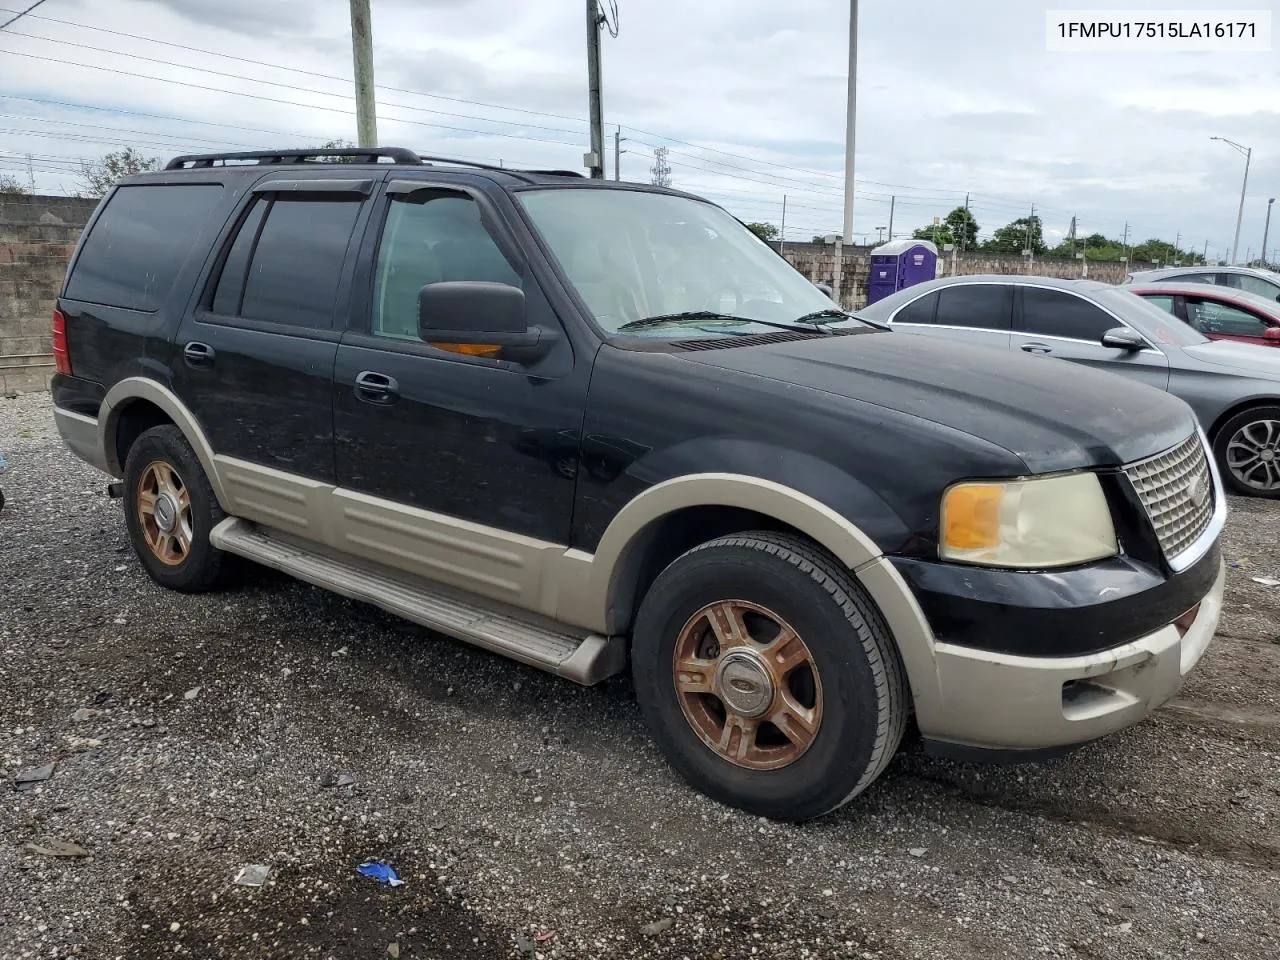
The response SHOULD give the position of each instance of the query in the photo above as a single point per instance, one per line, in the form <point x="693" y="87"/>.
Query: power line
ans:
<point x="1007" y="202"/>
<point x="298" y="70"/>
<point x="312" y="73"/>
<point x="288" y="103"/>
<point x="18" y="15"/>
<point x="285" y="86"/>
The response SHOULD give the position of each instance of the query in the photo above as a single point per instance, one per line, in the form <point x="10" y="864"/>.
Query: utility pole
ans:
<point x="362" y="55"/>
<point x="964" y="237"/>
<point x="850" y="138"/>
<point x="1126" y="241"/>
<point x="1205" y="256"/>
<point x="1177" y="241"/>
<point x="892" y="201"/>
<point x="594" y="161"/>
<point x="782" y="234"/>
<point x="1266" y="230"/>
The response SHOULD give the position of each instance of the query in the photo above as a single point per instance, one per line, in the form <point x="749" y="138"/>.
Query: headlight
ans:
<point x="1045" y="522"/>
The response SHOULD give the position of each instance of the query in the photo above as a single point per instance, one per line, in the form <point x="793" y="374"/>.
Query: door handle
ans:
<point x="198" y="354"/>
<point x="374" y="387"/>
<point x="1037" y="348"/>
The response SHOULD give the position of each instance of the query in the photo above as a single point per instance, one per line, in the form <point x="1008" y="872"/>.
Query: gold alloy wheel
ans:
<point x="747" y="684"/>
<point x="164" y="513"/>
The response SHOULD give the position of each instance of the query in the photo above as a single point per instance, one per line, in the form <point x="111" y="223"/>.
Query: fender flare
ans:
<point x="143" y="388"/>
<point x="590" y="582"/>
<point x="593" y="592"/>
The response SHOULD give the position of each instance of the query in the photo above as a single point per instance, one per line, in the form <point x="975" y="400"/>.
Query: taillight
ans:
<point x="61" y="356"/>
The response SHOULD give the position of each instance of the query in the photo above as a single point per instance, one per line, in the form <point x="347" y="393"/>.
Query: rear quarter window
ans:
<point x="139" y="242"/>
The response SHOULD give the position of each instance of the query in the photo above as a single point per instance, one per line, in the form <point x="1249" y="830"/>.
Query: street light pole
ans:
<point x="850" y="132"/>
<point x="1266" y="230"/>
<point x="1248" y="156"/>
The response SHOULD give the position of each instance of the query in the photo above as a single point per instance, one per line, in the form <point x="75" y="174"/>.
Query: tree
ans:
<point x="958" y="227"/>
<point x="765" y="231"/>
<point x="964" y="227"/>
<point x="1025" y="233"/>
<point x="940" y="235"/>
<point x="98" y="178"/>
<point x="12" y="187"/>
<point x="338" y="144"/>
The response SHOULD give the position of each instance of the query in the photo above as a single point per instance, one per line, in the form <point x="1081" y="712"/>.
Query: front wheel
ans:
<point x="767" y="676"/>
<point x="1247" y="448"/>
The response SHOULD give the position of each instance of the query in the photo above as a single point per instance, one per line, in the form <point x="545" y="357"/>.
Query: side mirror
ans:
<point x="1123" y="338"/>
<point x="1271" y="333"/>
<point x="825" y="288"/>
<point x="479" y="319"/>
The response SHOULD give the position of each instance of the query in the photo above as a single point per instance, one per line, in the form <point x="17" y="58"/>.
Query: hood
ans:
<point x="1246" y="359"/>
<point x="1052" y="414"/>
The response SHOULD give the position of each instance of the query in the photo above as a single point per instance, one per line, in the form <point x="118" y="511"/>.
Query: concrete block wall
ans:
<point x="37" y="237"/>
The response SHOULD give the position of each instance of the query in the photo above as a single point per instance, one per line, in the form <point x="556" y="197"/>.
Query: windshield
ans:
<point x="1150" y="319"/>
<point x="634" y="255"/>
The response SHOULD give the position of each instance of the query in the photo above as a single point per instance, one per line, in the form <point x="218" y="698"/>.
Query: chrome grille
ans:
<point x="1177" y="489"/>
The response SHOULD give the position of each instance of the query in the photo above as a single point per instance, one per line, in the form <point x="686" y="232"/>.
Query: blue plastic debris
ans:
<point x="380" y="871"/>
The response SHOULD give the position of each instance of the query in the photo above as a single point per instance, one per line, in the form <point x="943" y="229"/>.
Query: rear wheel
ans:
<point x="768" y="677"/>
<point x="170" y="510"/>
<point x="1247" y="448"/>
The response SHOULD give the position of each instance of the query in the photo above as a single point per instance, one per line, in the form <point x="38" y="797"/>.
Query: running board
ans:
<point x="583" y="658"/>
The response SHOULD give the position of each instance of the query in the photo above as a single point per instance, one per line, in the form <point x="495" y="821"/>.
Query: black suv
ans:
<point x="595" y="425"/>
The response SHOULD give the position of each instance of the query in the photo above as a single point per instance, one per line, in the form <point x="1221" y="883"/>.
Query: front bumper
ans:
<point x="1003" y="702"/>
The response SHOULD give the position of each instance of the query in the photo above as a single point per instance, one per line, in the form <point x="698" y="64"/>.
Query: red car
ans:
<point x="1220" y="313"/>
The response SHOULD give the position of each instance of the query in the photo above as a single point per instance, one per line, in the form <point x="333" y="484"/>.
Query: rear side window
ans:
<point x="135" y="249"/>
<point x="1052" y="313"/>
<point x="918" y="311"/>
<point x="1162" y="301"/>
<point x="1254" y="285"/>
<point x="285" y="263"/>
<point x="984" y="306"/>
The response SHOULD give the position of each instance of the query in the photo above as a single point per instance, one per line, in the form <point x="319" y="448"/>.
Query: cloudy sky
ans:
<point x="748" y="95"/>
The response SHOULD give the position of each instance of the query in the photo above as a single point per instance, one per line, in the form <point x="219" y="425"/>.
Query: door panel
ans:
<point x="468" y="439"/>
<point x="1056" y="323"/>
<point x="463" y="437"/>
<point x="253" y="359"/>
<point x="263" y="397"/>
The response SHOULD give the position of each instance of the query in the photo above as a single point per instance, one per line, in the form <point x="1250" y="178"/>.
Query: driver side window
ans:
<point x="1209" y="317"/>
<point x="432" y="236"/>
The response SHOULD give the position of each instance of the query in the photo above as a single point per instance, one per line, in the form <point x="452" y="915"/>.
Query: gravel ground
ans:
<point x="529" y="817"/>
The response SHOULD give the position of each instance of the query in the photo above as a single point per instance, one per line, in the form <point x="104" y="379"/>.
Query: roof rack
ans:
<point x="397" y="155"/>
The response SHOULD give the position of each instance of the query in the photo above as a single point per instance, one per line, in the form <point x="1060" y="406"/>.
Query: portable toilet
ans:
<point x="898" y="264"/>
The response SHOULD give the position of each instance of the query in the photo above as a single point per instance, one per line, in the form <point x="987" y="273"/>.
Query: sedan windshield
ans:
<point x="667" y="266"/>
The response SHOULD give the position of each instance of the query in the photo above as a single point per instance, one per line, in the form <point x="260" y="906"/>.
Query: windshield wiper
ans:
<point x="703" y="316"/>
<point x="831" y="313"/>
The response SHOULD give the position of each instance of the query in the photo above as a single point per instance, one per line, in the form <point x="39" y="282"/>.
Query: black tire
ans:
<point x="201" y="565"/>
<point x="864" y="696"/>
<point x="1229" y="430"/>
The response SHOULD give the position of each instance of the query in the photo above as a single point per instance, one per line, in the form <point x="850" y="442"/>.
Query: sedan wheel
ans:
<point x="1248" y="452"/>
